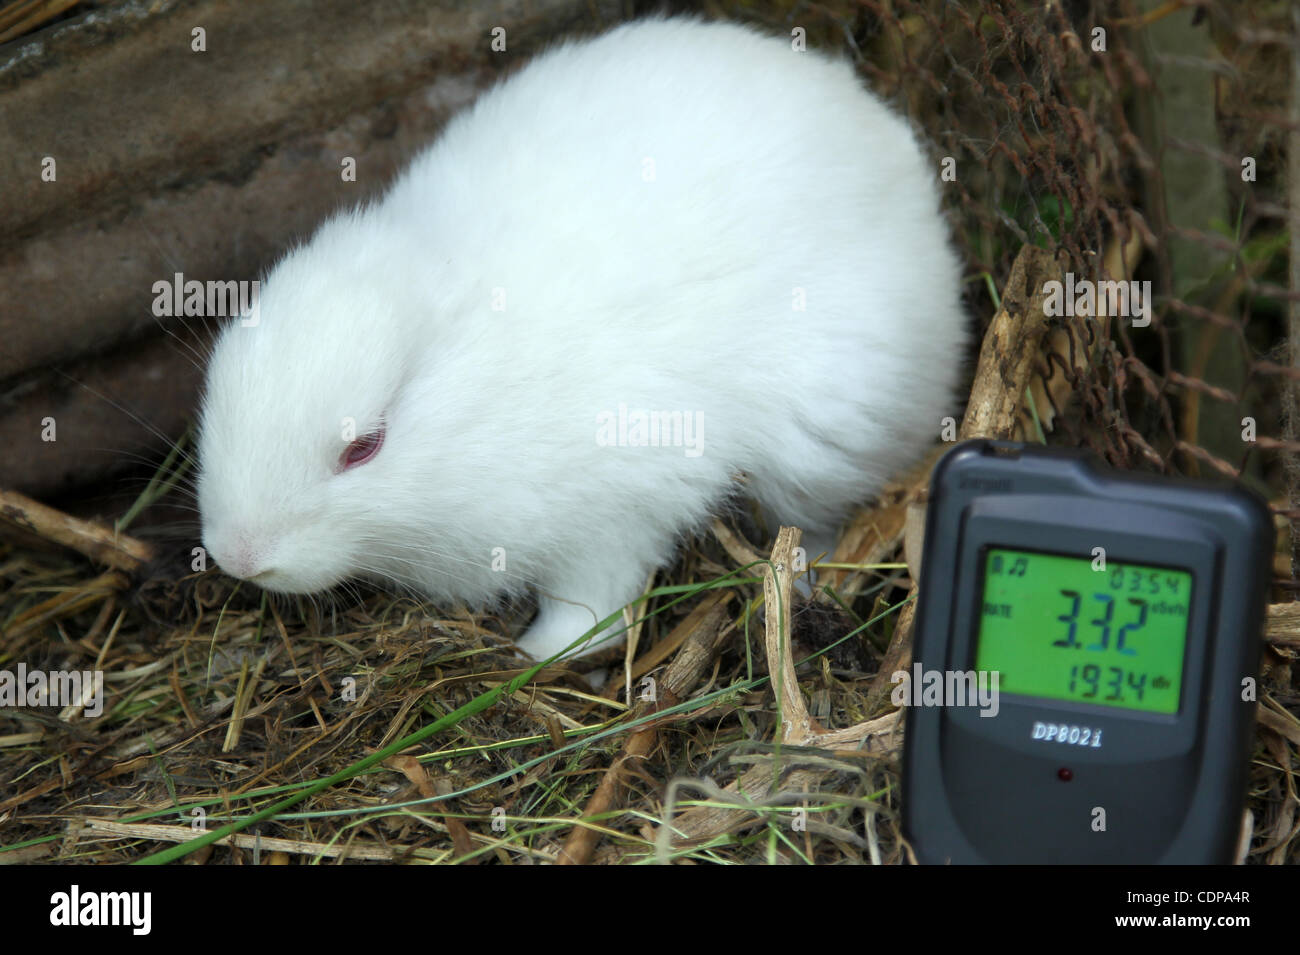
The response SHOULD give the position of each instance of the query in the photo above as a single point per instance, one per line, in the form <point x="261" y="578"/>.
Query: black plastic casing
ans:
<point x="1169" y="788"/>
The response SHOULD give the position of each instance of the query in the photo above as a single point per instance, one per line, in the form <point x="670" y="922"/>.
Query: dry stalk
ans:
<point x="708" y="628"/>
<point x="798" y="728"/>
<point x="97" y="541"/>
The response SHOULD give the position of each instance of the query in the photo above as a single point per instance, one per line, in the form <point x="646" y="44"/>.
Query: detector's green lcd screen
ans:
<point x="1053" y="626"/>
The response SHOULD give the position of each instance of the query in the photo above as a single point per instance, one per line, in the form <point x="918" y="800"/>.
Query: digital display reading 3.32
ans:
<point x="1054" y="627"/>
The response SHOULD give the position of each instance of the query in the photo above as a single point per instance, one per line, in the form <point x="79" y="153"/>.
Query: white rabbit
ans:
<point x="648" y="274"/>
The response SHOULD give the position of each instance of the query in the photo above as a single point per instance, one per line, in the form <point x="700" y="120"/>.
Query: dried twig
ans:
<point x="24" y="16"/>
<point x="798" y="728"/>
<point x="1011" y="348"/>
<point x="708" y="631"/>
<point x="874" y="533"/>
<point x="96" y="541"/>
<point x="163" y="833"/>
<point x="1283" y="624"/>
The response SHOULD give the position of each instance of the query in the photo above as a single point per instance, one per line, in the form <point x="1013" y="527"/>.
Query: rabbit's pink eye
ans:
<point x="362" y="449"/>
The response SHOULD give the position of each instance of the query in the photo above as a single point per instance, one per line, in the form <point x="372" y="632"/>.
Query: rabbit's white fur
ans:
<point x="673" y="217"/>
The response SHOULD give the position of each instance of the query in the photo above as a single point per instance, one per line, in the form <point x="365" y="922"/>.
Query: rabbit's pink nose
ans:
<point x="243" y="564"/>
<point x="242" y="559"/>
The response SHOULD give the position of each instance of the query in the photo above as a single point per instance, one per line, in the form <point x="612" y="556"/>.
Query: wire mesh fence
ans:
<point x="1145" y="144"/>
